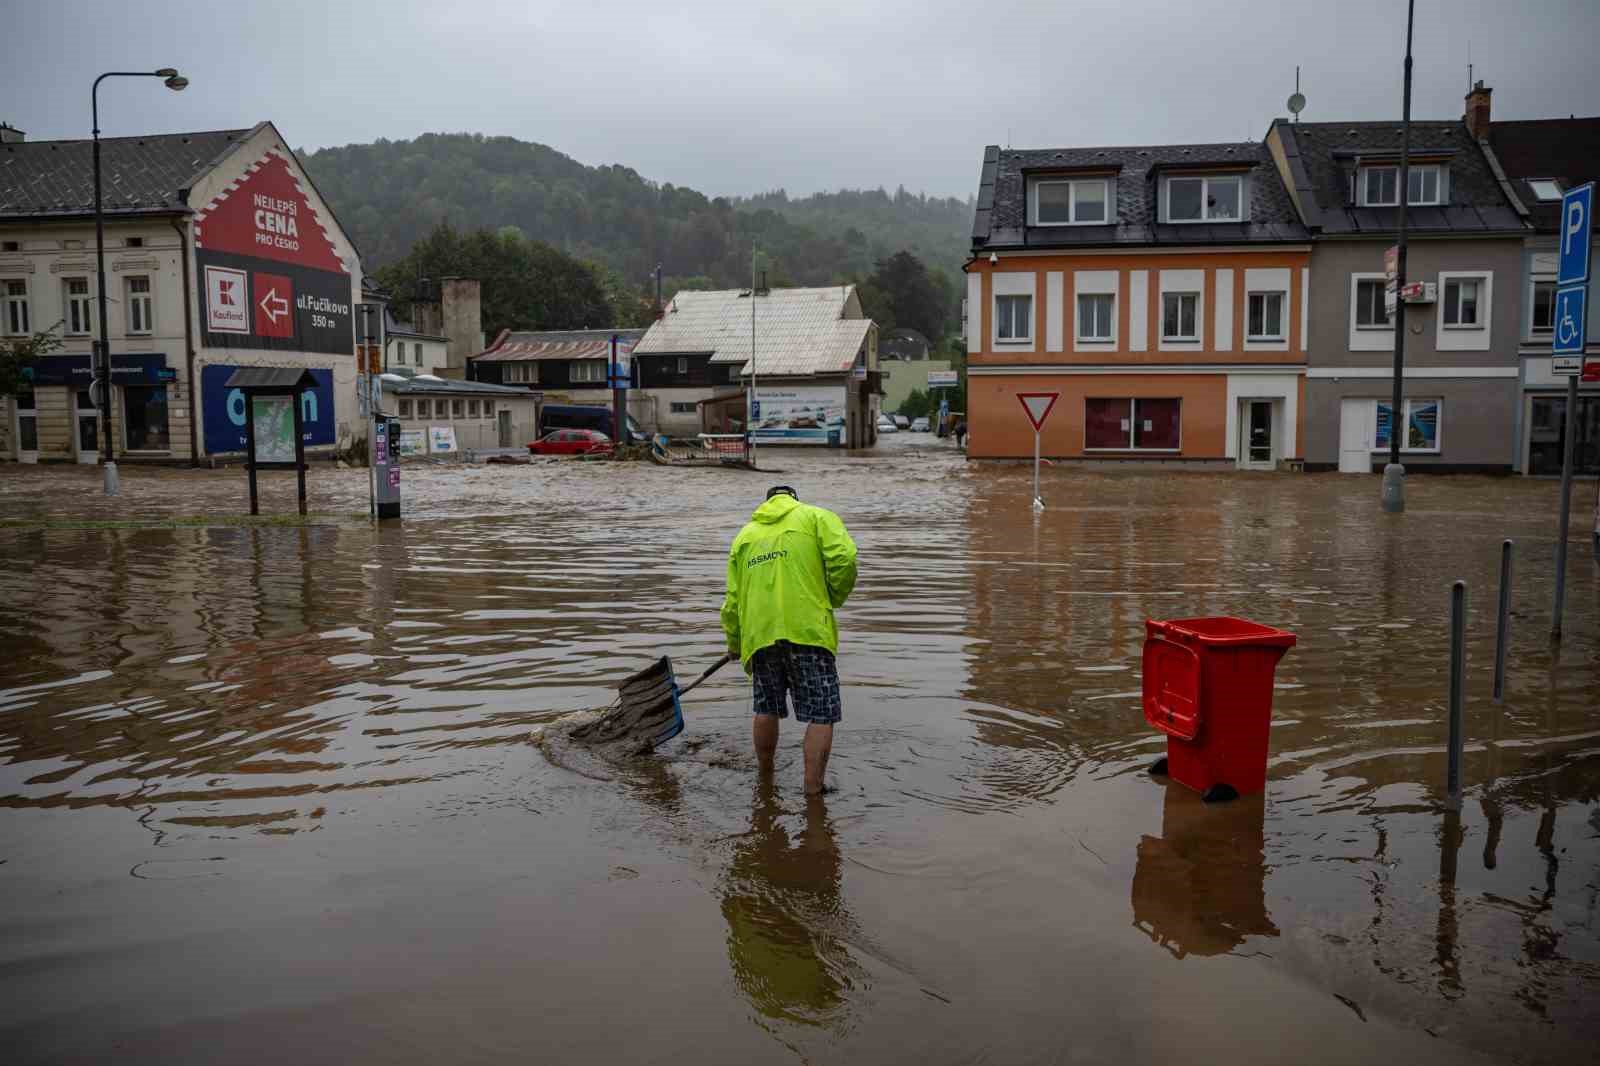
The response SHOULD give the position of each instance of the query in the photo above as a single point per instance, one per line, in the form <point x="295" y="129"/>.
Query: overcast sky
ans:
<point x="740" y="97"/>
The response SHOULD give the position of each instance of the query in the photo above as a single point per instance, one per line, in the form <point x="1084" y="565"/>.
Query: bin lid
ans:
<point x="1171" y="688"/>
<point x="1220" y="631"/>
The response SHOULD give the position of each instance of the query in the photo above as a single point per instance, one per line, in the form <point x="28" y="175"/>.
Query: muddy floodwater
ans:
<point x="270" y="794"/>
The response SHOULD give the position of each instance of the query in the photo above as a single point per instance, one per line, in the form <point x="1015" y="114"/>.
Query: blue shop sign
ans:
<point x="223" y="409"/>
<point x="77" y="372"/>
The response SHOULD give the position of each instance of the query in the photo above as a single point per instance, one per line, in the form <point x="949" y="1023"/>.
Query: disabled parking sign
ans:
<point x="1568" y="324"/>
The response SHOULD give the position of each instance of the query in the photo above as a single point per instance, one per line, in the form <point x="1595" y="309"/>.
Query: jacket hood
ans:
<point x="774" y="509"/>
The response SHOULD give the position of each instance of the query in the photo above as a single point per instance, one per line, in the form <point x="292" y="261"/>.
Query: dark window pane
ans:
<point x="1381" y="438"/>
<point x="144" y="409"/>
<point x="1543" y="301"/>
<point x="1091" y="197"/>
<point x="1183" y="198"/>
<point x="1156" y="423"/>
<point x="1105" y="423"/>
<point x="1054" y="201"/>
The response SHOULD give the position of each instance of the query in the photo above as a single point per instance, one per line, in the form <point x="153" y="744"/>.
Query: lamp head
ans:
<point x="167" y="72"/>
<point x="177" y="82"/>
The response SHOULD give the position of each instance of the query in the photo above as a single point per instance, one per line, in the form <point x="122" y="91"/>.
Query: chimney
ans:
<point x="9" y="134"/>
<point x="461" y="308"/>
<point x="1477" y="116"/>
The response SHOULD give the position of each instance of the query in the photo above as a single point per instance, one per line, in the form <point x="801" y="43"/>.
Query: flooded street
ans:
<point x="270" y="793"/>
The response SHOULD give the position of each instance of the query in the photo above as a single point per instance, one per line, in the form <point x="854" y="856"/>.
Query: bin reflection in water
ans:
<point x="1199" y="887"/>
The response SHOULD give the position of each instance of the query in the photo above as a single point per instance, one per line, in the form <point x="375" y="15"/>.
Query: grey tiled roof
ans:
<point x="1566" y="149"/>
<point x="1328" y="153"/>
<point x="1002" y="211"/>
<point x="797" y="331"/>
<point x="139" y="175"/>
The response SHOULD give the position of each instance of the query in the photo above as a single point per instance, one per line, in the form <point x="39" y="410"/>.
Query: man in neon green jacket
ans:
<point x="789" y="567"/>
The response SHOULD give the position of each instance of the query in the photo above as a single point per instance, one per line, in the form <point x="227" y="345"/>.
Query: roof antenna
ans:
<point x="1297" y="102"/>
<point x="1469" y="68"/>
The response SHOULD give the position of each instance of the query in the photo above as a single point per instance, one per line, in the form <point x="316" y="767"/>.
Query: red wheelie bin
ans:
<point x="1208" y="687"/>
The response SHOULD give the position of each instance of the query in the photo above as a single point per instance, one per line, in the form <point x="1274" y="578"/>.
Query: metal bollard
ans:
<point x="1502" y="630"/>
<point x="1458" y="670"/>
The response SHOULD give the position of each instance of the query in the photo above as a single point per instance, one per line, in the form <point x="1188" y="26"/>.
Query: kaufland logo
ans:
<point x="227" y="301"/>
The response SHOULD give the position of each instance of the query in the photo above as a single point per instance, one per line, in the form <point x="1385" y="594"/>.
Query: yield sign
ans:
<point x="1037" y="406"/>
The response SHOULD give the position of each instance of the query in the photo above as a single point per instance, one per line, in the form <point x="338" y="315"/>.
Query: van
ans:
<point x="555" y="416"/>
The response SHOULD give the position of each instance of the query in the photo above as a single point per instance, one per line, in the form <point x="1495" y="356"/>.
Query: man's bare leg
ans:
<point x="818" y="743"/>
<point x="764" y="730"/>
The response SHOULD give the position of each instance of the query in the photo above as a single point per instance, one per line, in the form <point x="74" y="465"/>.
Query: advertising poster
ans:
<point x="270" y="278"/>
<point x="222" y="410"/>
<point x="413" y="442"/>
<point x="274" y="429"/>
<point x="799" y="414"/>
<point x="441" y="439"/>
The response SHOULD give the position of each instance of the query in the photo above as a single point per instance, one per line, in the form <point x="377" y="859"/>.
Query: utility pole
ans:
<point x="753" y="409"/>
<point x="1394" y="475"/>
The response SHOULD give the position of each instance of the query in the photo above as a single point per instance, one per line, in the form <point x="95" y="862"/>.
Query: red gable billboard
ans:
<point x="265" y="214"/>
<point x="270" y="277"/>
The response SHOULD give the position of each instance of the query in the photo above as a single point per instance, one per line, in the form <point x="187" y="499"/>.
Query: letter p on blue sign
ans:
<point x="1577" y="223"/>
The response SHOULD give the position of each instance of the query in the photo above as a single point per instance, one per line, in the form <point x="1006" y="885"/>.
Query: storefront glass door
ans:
<point x="86" y="438"/>
<point x="1547" y="435"/>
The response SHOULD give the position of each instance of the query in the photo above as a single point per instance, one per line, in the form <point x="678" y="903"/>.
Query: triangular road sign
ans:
<point x="1037" y="406"/>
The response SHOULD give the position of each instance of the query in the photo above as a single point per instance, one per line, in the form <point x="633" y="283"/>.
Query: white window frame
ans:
<point x="1482" y="281"/>
<point x="588" y="371"/>
<point x="458" y="408"/>
<point x="140" y="305"/>
<point x="1440" y="184"/>
<point x="1356" y="281"/>
<point x="1283" y="314"/>
<point x="1181" y="338"/>
<point x="1533" y="291"/>
<point x="1205" y="181"/>
<point x="1438" y="432"/>
<point x="1110" y="335"/>
<point x="405" y="408"/>
<point x="1015" y="338"/>
<point x="472" y="408"/>
<point x="1106" y="191"/>
<point x="70" y="300"/>
<point x="679" y="407"/>
<point x="416" y="353"/>
<point x="1554" y="187"/>
<point x="16" y="307"/>
<point x="424" y="407"/>
<point x="683" y="364"/>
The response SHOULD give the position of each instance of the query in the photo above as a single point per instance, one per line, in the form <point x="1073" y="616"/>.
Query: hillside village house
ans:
<point x="219" y="254"/>
<point x="446" y="416"/>
<point x="562" y="366"/>
<point x="815" y="365"/>
<point x="1542" y="159"/>
<point x="1466" y="239"/>
<point x="1160" y="290"/>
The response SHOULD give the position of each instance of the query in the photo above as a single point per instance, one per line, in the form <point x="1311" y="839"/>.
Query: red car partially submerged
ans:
<point x="571" y="442"/>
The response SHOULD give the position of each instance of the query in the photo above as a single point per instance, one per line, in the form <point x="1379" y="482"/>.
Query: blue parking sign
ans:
<point x="1568" y="325"/>
<point x="1577" y="222"/>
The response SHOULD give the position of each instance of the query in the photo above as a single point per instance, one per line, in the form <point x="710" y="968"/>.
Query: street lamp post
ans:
<point x="102" y="356"/>
<point x="1394" y="475"/>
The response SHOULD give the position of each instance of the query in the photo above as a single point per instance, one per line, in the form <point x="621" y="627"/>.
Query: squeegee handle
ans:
<point x="713" y="668"/>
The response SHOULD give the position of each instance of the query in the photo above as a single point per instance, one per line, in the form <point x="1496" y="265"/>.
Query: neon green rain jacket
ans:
<point x="789" y="567"/>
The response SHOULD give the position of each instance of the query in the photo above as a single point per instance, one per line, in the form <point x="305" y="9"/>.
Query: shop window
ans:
<point x="1130" y="424"/>
<point x="16" y="309"/>
<point x="139" y="305"/>
<point x="27" y="422"/>
<point x="1548" y="437"/>
<point x="405" y="408"/>
<point x="1421" y="426"/>
<point x="80" y="309"/>
<point x="144" y="418"/>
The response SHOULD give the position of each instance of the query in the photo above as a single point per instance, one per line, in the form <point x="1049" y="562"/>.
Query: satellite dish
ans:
<point x="1297" y="103"/>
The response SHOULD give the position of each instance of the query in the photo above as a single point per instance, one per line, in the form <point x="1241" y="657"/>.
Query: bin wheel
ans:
<point x="1159" y="767"/>
<point x="1219" y="793"/>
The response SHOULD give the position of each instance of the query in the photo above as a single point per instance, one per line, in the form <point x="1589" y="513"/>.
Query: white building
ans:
<point x="814" y="362"/>
<point x="220" y="253"/>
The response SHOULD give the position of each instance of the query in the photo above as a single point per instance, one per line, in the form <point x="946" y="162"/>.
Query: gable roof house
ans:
<point x="811" y="376"/>
<point x="220" y="254"/>
<point x="1465" y="234"/>
<point x="1541" y="159"/>
<point x="1159" y="290"/>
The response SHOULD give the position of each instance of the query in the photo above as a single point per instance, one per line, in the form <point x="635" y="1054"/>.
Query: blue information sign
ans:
<point x="1577" y="223"/>
<point x="1568" y="320"/>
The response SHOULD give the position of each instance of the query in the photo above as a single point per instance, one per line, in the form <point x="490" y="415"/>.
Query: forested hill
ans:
<point x="391" y="194"/>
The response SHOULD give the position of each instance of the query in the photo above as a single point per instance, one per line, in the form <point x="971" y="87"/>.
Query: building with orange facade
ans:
<point x="1161" y="291"/>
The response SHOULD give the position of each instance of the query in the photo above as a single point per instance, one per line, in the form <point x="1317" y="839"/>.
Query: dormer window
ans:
<point x="1074" y="202"/>
<point x="1379" y="186"/>
<point x="1545" y="190"/>
<point x="1204" y="199"/>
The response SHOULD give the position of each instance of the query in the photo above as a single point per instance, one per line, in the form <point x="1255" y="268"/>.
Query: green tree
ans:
<point x="17" y="355"/>
<point x="917" y="403"/>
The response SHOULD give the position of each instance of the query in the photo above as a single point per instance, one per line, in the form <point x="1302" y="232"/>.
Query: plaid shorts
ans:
<point x="805" y="674"/>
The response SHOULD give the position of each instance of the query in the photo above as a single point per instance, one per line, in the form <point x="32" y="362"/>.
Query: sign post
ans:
<point x="1567" y="347"/>
<point x="1037" y="406"/>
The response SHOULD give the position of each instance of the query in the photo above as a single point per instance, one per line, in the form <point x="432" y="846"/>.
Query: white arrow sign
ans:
<point x="273" y="305"/>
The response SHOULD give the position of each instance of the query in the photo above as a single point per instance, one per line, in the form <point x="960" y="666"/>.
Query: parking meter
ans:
<point x="386" y="458"/>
